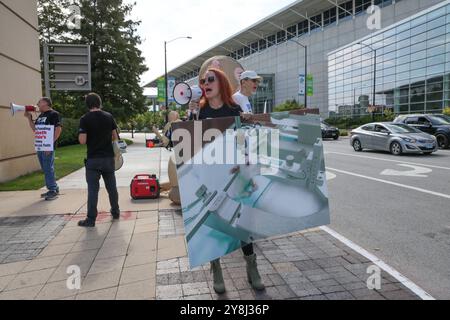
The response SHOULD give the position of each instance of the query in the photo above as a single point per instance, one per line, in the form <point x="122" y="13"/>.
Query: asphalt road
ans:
<point x="397" y="208"/>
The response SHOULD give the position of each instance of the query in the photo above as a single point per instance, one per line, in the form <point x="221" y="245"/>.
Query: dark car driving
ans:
<point x="431" y="124"/>
<point x="329" y="132"/>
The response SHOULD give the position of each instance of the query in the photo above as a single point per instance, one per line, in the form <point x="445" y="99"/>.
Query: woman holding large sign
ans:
<point x="217" y="103"/>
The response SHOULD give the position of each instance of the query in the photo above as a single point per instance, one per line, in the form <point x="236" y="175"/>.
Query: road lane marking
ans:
<point x="389" y="160"/>
<point x="330" y="176"/>
<point x="438" y="194"/>
<point x="380" y="263"/>
<point x="416" y="172"/>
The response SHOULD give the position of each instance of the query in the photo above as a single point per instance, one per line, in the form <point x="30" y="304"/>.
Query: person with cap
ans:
<point x="47" y="117"/>
<point x="250" y="82"/>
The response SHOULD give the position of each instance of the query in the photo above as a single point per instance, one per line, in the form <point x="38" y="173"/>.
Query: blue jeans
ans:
<point x="47" y="162"/>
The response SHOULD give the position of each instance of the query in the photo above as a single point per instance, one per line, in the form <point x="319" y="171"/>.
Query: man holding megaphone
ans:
<point x="47" y="117"/>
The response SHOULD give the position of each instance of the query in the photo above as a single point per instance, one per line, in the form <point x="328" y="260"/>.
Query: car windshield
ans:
<point x="439" y="120"/>
<point x="401" y="128"/>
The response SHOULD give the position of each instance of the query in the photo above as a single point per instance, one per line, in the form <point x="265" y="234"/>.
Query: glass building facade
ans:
<point x="264" y="99"/>
<point x="410" y="62"/>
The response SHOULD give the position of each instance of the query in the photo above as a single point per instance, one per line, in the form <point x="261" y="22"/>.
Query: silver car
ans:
<point x="396" y="138"/>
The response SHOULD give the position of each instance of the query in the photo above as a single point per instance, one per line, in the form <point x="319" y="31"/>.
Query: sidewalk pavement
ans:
<point x="143" y="256"/>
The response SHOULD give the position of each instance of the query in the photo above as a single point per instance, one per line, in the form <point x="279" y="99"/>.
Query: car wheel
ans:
<point x="336" y="138"/>
<point x="357" y="145"/>
<point x="396" y="148"/>
<point x="443" y="141"/>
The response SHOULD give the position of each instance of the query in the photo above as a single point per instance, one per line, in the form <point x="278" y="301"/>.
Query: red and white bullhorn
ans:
<point x="15" y="108"/>
<point x="184" y="94"/>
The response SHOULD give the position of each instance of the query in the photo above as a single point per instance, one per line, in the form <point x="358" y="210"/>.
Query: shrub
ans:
<point x="288" y="105"/>
<point x="447" y="111"/>
<point x="69" y="134"/>
<point x="343" y="133"/>
<point x="389" y="115"/>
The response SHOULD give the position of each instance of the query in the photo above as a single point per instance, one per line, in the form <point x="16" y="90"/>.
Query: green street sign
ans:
<point x="161" y="90"/>
<point x="310" y="85"/>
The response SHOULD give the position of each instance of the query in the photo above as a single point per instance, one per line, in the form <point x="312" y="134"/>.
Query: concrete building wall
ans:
<point x="20" y="82"/>
<point x="286" y="60"/>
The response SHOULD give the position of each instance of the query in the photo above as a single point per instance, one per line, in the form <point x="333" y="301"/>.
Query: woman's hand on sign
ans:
<point x="193" y="106"/>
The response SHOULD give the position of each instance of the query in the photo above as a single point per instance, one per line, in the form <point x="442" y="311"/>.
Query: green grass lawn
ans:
<point x="67" y="160"/>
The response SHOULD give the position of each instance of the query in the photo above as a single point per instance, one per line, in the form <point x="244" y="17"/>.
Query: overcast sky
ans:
<point x="208" y="22"/>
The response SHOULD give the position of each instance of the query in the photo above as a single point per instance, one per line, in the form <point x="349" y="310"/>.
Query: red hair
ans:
<point x="225" y="89"/>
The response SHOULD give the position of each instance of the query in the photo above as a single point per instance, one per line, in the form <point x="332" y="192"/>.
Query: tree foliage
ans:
<point x="117" y="62"/>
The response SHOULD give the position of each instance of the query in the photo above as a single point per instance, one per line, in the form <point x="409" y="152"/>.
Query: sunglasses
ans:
<point x="210" y="79"/>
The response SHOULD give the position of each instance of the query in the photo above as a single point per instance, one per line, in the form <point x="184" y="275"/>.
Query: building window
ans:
<point x="348" y="6"/>
<point x="281" y="36"/>
<point x="240" y="53"/>
<point x="262" y="45"/>
<point x="362" y="5"/>
<point x="246" y="51"/>
<point x="291" y="32"/>
<point x="329" y="17"/>
<point x="254" y="47"/>
<point x="271" y="40"/>
<point x="303" y="27"/>
<point x="316" y="22"/>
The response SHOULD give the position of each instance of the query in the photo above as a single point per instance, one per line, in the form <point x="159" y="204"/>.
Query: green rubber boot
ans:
<point x="219" y="284"/>
<point x="252" y="273"/>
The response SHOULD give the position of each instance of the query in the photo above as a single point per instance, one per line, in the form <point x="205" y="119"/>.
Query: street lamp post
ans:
<point x="374" y="74"/>
<point x="306" y="70"/>
<point x="165" y="67"/>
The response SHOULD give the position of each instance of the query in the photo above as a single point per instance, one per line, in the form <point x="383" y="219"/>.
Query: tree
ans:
<point x="52" y="20"/>
<point x="117" y="63"/>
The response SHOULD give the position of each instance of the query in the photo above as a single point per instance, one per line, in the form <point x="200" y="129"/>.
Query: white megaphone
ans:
<point x="184" y="94"/>
<point x="15" y="108"/>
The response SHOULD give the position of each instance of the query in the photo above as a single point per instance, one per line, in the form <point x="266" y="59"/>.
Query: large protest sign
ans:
<point x="244" y="181"/>
<point x="44" y="138"/>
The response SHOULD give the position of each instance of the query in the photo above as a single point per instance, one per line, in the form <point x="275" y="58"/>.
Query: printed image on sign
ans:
<point x="43" y="138"/>
<point x="242" y="181"/>
<point x="302" y="79"/>
<point x="310" y="85"/>
<point x="171" y="85"/>
<point x="161" y="90"/>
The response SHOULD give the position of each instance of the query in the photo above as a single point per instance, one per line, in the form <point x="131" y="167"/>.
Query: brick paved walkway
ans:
<point x="143" y="256"/>
<point x="23" y="238"/>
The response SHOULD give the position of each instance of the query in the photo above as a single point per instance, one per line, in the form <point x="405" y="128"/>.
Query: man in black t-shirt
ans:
<point x="48" y="117"/>
<point x="98" y="130"/>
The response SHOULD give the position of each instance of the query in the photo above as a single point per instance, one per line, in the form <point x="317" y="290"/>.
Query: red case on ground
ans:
<point x="145" y="186"/>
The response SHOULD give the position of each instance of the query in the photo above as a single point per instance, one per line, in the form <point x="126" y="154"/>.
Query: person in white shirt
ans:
<point x="250" y="82"/>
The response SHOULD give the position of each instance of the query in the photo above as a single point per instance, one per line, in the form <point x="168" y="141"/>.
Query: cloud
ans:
<point x="208" y="22"/>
